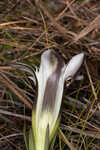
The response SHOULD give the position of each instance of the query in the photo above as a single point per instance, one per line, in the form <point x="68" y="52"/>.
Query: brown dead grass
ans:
<point x="26" y="30"/>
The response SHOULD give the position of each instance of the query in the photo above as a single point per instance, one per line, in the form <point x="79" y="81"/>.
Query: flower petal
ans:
<point x="73" y="66"/>
<point x="50" y="81"/>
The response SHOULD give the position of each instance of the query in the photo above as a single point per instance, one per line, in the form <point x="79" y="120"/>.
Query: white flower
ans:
<point x="51" y="77"/>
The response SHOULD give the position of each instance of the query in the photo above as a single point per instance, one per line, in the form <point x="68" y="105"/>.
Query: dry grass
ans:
<point x="26" y="30"/>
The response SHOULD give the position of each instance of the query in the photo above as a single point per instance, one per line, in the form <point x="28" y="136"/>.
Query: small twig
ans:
<point x="10" y="136"/>
<point x="6" y="68"/>
<point x="15" y="115"/>
<point x="4" y="79"/>
<point x="66" y="141"/>
<point x="12" y="22"/>
<point x="92" y="134"/>
<point x="92" y="26"/>
<point x="91" y="83"/>
<point x="61" y="29"/>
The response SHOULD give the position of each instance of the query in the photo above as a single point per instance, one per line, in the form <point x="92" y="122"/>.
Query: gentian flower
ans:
<point x="52" y="74"/>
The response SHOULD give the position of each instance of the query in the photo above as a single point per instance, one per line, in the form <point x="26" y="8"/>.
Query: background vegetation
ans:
<point x="27" y="29"/>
